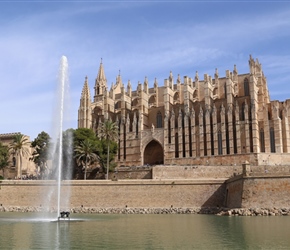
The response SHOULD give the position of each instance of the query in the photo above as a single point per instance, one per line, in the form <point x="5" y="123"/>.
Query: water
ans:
<point x="92" y="231"/>
<point x="62" y="81"/>
<point x="56" y="196"/>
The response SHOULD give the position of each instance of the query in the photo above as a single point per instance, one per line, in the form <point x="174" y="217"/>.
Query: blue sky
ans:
<point x="139" y="38"/>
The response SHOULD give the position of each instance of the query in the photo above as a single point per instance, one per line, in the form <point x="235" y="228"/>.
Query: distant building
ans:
<point x="210" y="121"/>
<point x="13" y="170"/>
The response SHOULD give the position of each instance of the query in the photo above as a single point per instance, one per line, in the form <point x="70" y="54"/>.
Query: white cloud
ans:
<point x="131" y="41"/>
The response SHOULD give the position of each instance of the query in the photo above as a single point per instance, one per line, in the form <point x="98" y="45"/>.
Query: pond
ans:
<point x="150" y="231"/>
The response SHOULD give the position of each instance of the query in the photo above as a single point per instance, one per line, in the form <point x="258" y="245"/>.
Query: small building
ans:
<point x="13" y="169"/>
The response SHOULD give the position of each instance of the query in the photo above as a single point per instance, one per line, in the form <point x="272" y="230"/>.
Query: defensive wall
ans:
<point x="171" y="186"/>
<point x="256" y="159"/>
<point x="118" y="194"/>
<point x="260" y="188"/>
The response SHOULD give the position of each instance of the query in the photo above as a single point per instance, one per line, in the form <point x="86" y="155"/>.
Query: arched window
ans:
<point x="246" y="87"/>
<point x="159" y="120"/>
<point x="220" y="143"/>
<point x="176" y="98"/>
<point x="118" y="105"/>
<point x="152" y="101"/>
<point x="272" y="140"/>
<point x="262" y="140"/>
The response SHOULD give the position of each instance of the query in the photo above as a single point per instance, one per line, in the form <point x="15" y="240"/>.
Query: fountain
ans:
<point x="58" y="150"/>
<point x="63" y="80"/>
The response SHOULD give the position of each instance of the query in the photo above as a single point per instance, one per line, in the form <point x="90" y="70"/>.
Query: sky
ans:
<point x="137" y="39"/>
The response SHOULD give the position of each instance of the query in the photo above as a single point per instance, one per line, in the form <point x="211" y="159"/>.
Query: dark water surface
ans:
<point x="92" y="231"/>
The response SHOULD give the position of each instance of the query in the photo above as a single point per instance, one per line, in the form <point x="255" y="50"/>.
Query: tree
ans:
<point x="41" y="155"/>
<point x="103" y="154"/>
<point x="85" y="154"/>
<point x="4" y="157"/>
<point x="82" y="134"/>
<point x="108" y="132"/>
<point x="20" y="147"/>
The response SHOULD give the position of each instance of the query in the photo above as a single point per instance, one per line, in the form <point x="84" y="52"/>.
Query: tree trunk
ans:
<point x="85" y="177"/>
<point x="108" y="153"/>
<point x="20" y="160"/>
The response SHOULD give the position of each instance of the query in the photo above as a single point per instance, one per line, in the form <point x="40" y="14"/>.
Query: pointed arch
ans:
<point x="153" y="153"/>
<point x="152" y="100"/>
<point x="135" y="102"/>
<point x="118" y="105"/>
<point x="176" y="98"/>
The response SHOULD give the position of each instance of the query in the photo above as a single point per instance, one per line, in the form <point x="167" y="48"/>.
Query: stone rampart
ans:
<point x="118" y="194"/>
<point x="258" y="191"/>
<point x="194" y="171"/>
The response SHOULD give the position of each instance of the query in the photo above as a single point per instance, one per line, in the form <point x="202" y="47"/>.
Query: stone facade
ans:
<point x="28" y="167"/>
<point x="210" y="121"/>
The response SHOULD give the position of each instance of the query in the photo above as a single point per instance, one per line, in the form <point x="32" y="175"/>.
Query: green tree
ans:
<point x="108" y="132"/>
<point x="4" y="157"/>
<point x="82" y="134"/>
<point x="20" y="147"/>
<point x="40" y="155"/>
<point x="85" y="154"/>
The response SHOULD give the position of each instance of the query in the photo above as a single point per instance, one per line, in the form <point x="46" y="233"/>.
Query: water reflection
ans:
<point x="89" y="231"/>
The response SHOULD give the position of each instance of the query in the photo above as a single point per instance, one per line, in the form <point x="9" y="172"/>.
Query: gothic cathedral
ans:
<point x="192" y="121"/>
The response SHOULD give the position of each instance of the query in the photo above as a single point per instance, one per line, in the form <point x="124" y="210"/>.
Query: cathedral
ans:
<point x="209" y="120"/>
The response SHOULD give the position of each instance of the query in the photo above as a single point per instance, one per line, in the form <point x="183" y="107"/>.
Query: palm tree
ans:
<point x="20" y="147"/>
<point x="85" y="154"/>
<point x="109" y="132"/>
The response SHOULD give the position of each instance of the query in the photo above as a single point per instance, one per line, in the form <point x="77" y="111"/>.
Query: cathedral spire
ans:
<point x="86" y="90"/>
<point x="119" y="79"/>
<point x="101" y="73"/>
<point x="101" y="81"/>
<point x="84" y="118"/>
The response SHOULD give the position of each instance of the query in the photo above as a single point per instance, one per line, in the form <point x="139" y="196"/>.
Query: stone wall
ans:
<point x="273" y="159"/>
<point x="194" y="172"/>
<point x="122" y="193"/>
<point x="234" y="191"/>
<point x="266" y="191"/>
<point x="215" y="160"/>
<point x="247" y="190"/>
<point x="258" y="191"/>
<point x="132" y="173"/>
<point x="267" y="169"/>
